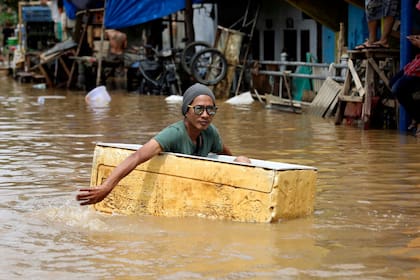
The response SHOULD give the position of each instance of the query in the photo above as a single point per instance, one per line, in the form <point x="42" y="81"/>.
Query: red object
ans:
<point x="413" y="67"/>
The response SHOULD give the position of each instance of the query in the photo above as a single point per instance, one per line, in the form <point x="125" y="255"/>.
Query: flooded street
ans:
<point x="365" y="226"/>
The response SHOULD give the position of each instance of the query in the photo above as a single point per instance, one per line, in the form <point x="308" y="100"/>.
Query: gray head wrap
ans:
<point x="194" y="91"/>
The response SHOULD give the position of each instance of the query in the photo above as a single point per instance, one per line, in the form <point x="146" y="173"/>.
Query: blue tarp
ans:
<point x="72" y="6"/>
<point x="70" y="9"/>
<point x="120" y="14"/>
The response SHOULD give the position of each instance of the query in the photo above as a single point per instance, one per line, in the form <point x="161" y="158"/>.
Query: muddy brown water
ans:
<point x="366" y="222"/>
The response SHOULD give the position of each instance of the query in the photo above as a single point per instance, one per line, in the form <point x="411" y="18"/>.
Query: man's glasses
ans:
<point x="199" y="109"/>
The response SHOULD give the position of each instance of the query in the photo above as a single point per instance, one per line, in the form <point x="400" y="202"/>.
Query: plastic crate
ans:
<point x="36" y="14"/>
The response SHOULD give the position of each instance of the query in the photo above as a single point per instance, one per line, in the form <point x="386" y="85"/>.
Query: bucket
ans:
<point x="12" y="41"/>
<point x="98" y="96"/>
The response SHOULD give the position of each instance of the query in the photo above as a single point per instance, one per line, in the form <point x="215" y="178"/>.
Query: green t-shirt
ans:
<point x="175" y="139"/>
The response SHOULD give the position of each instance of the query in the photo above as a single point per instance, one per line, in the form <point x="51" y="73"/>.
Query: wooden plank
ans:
<point x="175" y="185"/>
<point x="333" y="106"/>
<point x="356" y="78"/>
<point x="347" y="84"/>
<point x="283" y="104"/>
<point x="45" y="74"/>
<point x="288" y="91"/>
<point x="65" y="68"/>
<point x="381" y="74"/>
<point x="325" y="97"/>
<point x="24" y="77"/>
<point x="339" y="115"/>
<point x="258" y="96"/>
<point x="350" y="98"/>
<point x="370" y="92"/>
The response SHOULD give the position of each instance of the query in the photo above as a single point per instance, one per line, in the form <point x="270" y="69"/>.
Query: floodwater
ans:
<point x="366" y="222"/>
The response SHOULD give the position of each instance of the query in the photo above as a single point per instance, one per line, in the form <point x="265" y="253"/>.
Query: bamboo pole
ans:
<point x="340" y="43"/>
<point x="189" y="18"/>
<point x="101" y="48"/>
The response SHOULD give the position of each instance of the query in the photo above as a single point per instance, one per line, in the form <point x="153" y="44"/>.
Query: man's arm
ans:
<point x="97" y="194"/>
<point x="225" y="151"/>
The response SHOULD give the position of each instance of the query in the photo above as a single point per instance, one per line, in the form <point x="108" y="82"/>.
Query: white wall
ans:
<point x="278" y="12"/>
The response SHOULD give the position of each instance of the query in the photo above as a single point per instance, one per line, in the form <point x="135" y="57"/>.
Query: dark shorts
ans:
<point x="377" y="9"/>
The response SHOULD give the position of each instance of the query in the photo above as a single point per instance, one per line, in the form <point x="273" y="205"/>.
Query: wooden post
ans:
<point x="189" y="16"/>
<point x="340" y="43"/>
<point x="369" y="92"/>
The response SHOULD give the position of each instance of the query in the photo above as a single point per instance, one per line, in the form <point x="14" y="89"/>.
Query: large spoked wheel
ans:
<point x="188" y="53"/>
<point x="209" y="66"/>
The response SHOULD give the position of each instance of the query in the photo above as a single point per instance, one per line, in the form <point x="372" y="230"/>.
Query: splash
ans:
<point x="73" y="217"/>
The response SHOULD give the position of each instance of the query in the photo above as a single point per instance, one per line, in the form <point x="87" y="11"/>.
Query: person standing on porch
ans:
<point x="376" y="10"/>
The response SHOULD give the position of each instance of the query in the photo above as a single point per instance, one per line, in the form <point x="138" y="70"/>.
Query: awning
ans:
<point x="119" y="14"/>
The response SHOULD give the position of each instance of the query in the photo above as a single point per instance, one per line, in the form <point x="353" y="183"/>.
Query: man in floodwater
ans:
<point x="194" y="135"/>
<point x="117" y="41"/>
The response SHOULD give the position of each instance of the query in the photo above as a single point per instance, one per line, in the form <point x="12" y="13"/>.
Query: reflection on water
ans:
<point x="365" y="223"/>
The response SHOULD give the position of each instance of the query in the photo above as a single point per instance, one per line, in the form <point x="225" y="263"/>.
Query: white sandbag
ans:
<point x="174" y="98"/>
<point x="243" y="98"/>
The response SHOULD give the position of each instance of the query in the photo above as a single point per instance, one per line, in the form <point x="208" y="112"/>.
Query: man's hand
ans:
<point x="92" y="195"/>
<point x="415" y="40"/>
<point x="242" y="159"/>
<point x="97" y="194"/>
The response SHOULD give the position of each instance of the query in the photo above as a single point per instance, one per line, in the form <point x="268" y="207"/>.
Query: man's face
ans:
<point x="203" y="120"/>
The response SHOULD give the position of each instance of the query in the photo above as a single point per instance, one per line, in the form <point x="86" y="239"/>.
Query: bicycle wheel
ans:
<point x="209" y="66"/>
<point x="188" y="53"/>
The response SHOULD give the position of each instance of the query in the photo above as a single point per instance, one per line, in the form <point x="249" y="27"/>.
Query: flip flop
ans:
<point x="377" y="46"/>
<point x="363" y="46"/>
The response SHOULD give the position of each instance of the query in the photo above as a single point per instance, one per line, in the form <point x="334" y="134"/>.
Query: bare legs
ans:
<point x="386" y="32"/>
<point x="388" y="23"/>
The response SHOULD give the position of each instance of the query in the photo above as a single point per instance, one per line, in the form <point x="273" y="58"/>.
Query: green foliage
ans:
<point x="10" y="3"/>
<point x="8" y="12"/>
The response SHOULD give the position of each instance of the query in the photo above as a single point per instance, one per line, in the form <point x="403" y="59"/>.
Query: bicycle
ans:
<point x="188" y="53"/>
<point x="157" y="72"/>
<point x="209" y="66"/>
<point x="206" y="64"/>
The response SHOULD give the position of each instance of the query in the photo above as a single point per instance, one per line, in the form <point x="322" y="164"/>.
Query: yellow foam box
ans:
<point x="215" y="187"/>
